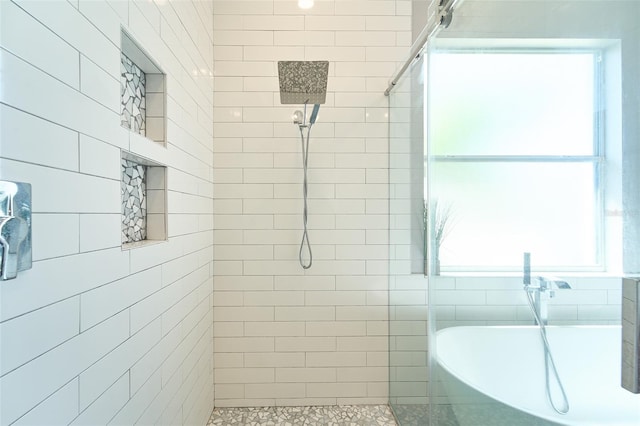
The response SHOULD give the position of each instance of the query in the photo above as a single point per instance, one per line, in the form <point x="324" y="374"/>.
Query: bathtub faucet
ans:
<point x="544" y="288"/>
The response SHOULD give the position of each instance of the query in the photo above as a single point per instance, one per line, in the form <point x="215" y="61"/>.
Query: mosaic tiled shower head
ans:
<point x="303" y="81"/>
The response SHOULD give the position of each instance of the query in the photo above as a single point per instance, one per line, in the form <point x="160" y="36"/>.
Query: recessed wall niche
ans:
<point x="142" y="92"/>
<point x="144" y="206"/>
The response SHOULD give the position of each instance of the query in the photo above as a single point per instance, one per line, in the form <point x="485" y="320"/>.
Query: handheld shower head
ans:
<point x="314" y="113"/>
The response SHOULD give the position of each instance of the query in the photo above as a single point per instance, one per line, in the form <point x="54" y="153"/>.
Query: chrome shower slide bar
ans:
<point x="442" y="20"/>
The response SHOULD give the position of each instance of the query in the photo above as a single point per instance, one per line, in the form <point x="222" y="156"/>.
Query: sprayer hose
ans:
<point x="305" y="215"/>
<point x="549" y="363"/>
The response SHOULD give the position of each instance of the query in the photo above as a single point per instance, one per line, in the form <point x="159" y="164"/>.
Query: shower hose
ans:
<point x="549" y="363"/>
<point x="305" y="215"/>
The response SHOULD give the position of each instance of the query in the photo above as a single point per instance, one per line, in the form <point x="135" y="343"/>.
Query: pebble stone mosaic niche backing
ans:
<point x="347" y="415"/>
<point x="134" y="202"/>
<point x="132" y="92"/>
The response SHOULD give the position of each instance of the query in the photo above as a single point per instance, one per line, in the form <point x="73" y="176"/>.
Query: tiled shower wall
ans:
<point x="285" y="336"/>
<point x="94" y="334"/>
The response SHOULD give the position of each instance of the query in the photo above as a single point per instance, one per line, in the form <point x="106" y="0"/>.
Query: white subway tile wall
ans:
<point x="93" y="334"/>
<point x="283" y="335"/>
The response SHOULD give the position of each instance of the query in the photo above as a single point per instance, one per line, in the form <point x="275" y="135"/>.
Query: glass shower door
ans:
<point x="408" y="355"/>
<point x="533" y="146"/>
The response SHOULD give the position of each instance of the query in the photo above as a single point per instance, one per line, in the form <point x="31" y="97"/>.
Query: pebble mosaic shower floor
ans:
<point x="346" y="415"/>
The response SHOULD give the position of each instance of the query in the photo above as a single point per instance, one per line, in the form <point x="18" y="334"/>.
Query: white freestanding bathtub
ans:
<point x="506" y="364"/>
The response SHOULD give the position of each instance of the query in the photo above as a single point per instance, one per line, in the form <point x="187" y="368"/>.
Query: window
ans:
<point x="516" y="144"/>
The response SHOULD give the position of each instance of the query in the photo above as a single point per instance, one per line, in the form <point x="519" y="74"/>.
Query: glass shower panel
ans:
<point x="408" y="356"/>
<point x="533" y="145"/>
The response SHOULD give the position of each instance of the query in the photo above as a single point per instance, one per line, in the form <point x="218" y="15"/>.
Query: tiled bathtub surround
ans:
<point x="350" y="415"/>
<point x="134" y="201"/>
<point x="133" y="97"/>
<point x="502" y="301"/>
